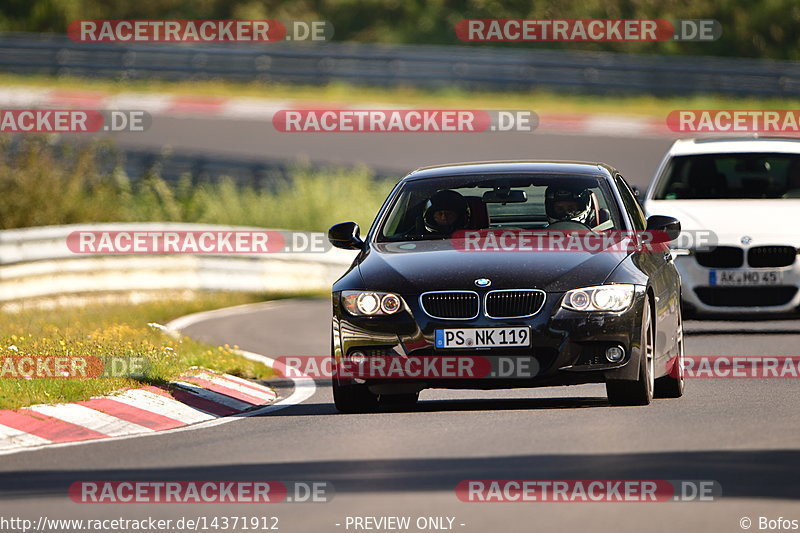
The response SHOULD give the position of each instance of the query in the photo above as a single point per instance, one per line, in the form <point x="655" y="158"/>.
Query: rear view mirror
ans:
<point x="505" y="196"/>
<point x="346" y="235"/>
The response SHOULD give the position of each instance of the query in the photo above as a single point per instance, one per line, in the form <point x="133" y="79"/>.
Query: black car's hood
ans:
<point x="415" y="267"/>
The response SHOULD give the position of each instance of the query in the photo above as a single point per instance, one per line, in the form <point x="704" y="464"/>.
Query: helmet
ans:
<point x="563" y="203"/>
<point x="446" y="223"/>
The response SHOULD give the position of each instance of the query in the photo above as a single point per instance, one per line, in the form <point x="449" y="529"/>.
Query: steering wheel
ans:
<point x="568" y="225"/>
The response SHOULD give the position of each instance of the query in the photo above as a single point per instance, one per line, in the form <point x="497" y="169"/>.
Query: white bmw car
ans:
<point x="746" y="193"/>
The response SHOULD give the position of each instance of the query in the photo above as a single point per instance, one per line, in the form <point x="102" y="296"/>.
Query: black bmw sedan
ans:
<point x="503" y="275"/>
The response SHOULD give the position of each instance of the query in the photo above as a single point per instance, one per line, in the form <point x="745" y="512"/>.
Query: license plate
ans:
<point x="482" y="337"/>
<point x="745" y="277"/>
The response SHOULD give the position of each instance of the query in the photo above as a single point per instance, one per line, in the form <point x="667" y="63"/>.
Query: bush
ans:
<point x="42" y="184"/>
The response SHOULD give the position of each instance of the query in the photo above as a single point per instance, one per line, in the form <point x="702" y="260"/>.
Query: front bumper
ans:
<point x="700" y="297"/>
<point x="568" y="347"/>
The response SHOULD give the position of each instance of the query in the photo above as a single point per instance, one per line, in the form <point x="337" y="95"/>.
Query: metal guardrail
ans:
<point x="468" y="67"/>
<point x="210" y="167"/>
<point x="36" y="262"/>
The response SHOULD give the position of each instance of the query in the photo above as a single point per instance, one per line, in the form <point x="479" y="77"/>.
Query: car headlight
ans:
<point x="371" y="303"/>
<point x="601" y="298"/>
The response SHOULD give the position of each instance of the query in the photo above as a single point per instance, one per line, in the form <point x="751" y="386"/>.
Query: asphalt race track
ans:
<point x="635" y="157"/>
<point x="742" y="433"/>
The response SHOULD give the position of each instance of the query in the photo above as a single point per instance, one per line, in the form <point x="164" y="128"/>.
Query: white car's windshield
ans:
<point x="726" y="176"/>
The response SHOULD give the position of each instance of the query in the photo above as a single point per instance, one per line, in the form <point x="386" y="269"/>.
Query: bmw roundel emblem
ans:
<point x="746" y="240"/>
<point x="483" y="282"/>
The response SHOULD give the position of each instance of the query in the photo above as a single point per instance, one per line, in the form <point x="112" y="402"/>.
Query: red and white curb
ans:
<point x="200" y="396"/>
<point x="262" y="109"/>
<point x="176" y="409"/>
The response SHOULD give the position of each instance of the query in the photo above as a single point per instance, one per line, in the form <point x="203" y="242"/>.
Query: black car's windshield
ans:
<point x="726" y="176"/>
<point x="435" y="208"/>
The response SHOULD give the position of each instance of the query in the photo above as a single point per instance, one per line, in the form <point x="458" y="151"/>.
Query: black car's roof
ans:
<point x="581" y="168"/>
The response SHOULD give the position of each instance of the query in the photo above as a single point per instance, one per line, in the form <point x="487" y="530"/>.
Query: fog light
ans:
<point x="615" y="354"/>
<point x="358" y="358"/>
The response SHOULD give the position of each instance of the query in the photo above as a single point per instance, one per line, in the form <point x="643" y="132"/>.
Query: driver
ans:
<point x="446" y="212"/>
<point x="564" y="203"/>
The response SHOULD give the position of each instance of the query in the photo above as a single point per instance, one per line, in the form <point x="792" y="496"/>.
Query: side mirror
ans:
<point x="346" y="235"/>
<point x="667" y="228"/>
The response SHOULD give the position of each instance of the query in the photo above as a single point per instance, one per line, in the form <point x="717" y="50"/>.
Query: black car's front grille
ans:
<point x="746" y="296"/>
<point x="771" y="256"/>
<point x="513" y="303"/>
<point x="721" y="257"/>
<point x="450" y="305"/>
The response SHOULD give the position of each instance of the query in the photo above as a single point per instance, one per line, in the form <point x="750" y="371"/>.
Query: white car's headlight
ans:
<point x="600" y="298"/>
<point x="371" y="303"/>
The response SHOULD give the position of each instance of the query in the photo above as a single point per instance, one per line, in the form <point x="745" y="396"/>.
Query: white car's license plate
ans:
<point x="482" y="337"/>
<point x="745" y="277"/>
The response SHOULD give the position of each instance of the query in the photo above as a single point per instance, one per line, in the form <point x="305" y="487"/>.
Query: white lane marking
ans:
<point x="152" y="103"/>
<point x="161" y="405"/>
<point x="181" y="323"/>
<point x="11" y="438"/>
<point x="212" y="396"/>
<point x="254" y="108"/>
<point x="632" y="126"/>
<point x="304" y="387"/>
<point x="23" y="96"/>
<point x="83" y="416"/>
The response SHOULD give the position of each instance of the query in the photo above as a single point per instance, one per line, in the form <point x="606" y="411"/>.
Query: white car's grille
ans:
<point x="771" y="256"/>
<point x="721" y="257"/>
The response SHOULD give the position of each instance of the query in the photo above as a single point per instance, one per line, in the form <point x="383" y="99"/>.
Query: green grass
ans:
<point x="115" y="330"/>
<point x="342" y="93"/>
<point x="310" y="200"/>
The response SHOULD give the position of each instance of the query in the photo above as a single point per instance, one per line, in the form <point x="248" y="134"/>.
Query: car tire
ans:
<point x="353" y="398"/>
<point x="639" y="391"/>
<point x="672" y="385"/>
